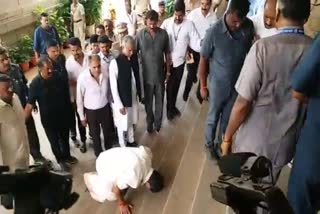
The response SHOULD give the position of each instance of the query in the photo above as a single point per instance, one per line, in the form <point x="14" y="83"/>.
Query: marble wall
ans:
<point x="16" y="18"/>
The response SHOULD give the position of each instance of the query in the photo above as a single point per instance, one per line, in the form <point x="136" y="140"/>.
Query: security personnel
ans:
<point x="21" y="89"/>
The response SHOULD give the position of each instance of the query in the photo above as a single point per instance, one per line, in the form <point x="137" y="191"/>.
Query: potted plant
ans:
<point x="25" y="44"/>
<point x="19" y="56"/>
<point x="92" y="9"/>
<point x="13" y="54"/>
<point x="63" y="10"/>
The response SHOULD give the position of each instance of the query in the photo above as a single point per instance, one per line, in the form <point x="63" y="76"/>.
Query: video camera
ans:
<point x="49" y="189"/>
<point x="244" y="186"/>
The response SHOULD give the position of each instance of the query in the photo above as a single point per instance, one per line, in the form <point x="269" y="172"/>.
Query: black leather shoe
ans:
<point x="176" y="112"/>
<point x="83" y="147"/>
<point x="134" y="144"/>
<point x="72" y="160"/>
<point x="170" y="116"/>
<point x="64" y="167"/>
<point x="150" y="129"/>
<point x="185" y="97"/>
<point x="211" y="152"/>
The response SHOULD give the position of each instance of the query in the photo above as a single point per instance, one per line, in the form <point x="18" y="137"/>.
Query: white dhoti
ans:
<point x="124" y="123"/>
<point x="99" y="188"/>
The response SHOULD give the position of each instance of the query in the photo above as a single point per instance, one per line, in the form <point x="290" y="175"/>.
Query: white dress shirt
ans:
<point x="131" y="20"/>
<point x="124" y="167"/>
<point x="74" y="70"/>
<point x="202" y="23"/>
<point x="90" y="93"/>
<point x="181" y="36"/>
<point x="259" y="27"/>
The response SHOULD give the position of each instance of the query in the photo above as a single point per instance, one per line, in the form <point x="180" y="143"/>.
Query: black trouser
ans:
<point x="173" y="86"/>
<point x="156" y="91"/>
<point x="100" y="117"/>
<point x="82" y="130"/>
<point x="59" y="141"/>
<point x="33" y="138"/>
<point x="192" y="73"/>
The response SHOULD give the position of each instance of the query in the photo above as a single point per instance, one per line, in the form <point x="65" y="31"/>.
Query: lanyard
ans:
<point x="291" y="31"/>
<point x="174" y="33"/>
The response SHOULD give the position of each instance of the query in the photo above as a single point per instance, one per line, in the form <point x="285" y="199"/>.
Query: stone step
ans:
<point x="168" y="157"/>
<point x="182" y="192"/>
<point x="203" y="203"/>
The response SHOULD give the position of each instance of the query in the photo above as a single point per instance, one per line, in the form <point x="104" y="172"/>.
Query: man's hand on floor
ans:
<point x="125" y="208"/>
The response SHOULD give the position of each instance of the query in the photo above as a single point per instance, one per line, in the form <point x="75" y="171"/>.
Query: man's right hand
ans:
<point x="204" y="93"/>
<point x="167" y="78"/>
<point x="125" y="208"/>
<point x="123" y="111"/>
<point x="84" y="123"/>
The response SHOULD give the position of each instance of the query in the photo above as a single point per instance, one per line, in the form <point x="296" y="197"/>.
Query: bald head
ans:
<point x="95" y="65"/>
<point x="270" y="13"/>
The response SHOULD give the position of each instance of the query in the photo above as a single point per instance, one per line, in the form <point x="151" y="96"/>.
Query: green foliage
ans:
<point x="22" y="51"/>
<point x="63" y="9"/>
<point x="25" y="45"/>
<point x="60" y="25"/>
<point x="17" y="55"/>
<point x="170" y="7"/>
<point x="56" y="20"/>
<point x="92" y="10"/>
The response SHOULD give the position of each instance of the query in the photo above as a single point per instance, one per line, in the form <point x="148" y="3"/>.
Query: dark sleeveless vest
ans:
<point x="124" y="78"/>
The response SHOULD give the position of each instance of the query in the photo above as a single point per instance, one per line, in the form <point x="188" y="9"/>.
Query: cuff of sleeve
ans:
<point x="243" y="94"/>
<point x="81" y="115"/>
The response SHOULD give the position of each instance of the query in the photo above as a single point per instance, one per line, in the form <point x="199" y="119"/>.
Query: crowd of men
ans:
<point x="258" y="74"/>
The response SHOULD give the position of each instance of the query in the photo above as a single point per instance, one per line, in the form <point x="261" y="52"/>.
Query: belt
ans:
<point x="77" y="21"/>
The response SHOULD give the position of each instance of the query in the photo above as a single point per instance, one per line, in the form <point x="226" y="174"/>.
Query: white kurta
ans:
<point x="123" y="167"/>
<point x="122" y="122"/>
<point x="259" y="27"/>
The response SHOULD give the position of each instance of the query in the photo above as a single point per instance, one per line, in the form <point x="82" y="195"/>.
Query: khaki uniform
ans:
<point x="14" y="146"/>
<point x="162" y="18"/>
<point x="79" y="24"/>
<point x="312" y="27"/>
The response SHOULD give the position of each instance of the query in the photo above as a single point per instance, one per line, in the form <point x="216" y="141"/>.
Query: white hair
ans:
<point x="127" y="40"/>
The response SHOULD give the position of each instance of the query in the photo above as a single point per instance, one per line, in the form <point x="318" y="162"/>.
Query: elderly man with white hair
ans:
<point x="125" y="88"/>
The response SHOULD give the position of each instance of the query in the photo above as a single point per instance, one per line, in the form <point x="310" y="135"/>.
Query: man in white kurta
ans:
<point x="264" y="22"/>
<point x="119" y="169"/>
<point x="125" y="111"/>
<point x="14" y="146"/>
